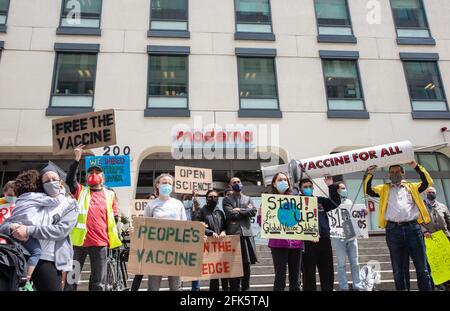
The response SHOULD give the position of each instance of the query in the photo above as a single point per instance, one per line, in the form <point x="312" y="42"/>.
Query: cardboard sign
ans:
<point x="115" y="168"/>
<point x="221" y="258"/>
<point x="438" y="253"/>
<point x="136" y="208"/>
<point x="289" y="217"/>
<point x="95" y="129"/>
<point x="356" y="220"/>
<point x="166" y="247"/>
<point x="189" y="178"/>
<point x="359" y="160"/>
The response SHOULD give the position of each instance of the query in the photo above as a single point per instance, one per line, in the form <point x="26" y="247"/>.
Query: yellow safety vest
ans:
<point x="78" y="234"/>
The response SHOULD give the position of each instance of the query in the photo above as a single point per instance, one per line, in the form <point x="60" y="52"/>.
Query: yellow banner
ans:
<point x="289" y="217"/>
<point x="438" y="253"/>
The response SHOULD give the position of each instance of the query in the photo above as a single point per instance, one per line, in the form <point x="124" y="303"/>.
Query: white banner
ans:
<point x="344" y="213"/>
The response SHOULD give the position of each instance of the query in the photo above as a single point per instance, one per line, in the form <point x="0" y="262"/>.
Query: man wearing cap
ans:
<point x="96" y="226"/>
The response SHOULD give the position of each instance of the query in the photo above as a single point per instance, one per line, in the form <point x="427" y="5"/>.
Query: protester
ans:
<point x="96" y="229"/>
<point x="239" y="209"/>
<point x="401" y="212"/>
<point x="164" y="207"/>
<point x="191" y="206"/>
<point x="346" y="248"/>
<point x="226" y="282"/>
<point x="48" y="218"/>
<point x="320" y="254"/>
<point x="138" y="277"/>
<point x="285" y="252"/>
<point x="214" y="218"/>
<point x="7" y="201"/>
<point x="439" y="215"/>
<point x="439" y="220"/>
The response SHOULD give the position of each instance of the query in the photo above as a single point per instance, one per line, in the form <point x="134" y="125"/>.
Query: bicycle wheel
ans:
<point x="110" y="276"/>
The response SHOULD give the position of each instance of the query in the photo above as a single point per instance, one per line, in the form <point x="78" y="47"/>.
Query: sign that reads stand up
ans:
<point x="96" y="129"/>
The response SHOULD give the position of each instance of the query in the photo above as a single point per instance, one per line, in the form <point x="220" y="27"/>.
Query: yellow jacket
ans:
<point x="382" y="191"/>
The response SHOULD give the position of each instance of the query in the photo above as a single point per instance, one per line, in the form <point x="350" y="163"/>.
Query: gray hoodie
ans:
<point x="30" y="211"/>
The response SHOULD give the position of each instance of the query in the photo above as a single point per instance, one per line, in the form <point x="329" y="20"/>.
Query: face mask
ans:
<point x="307" y="192"/>
<point x="52" y="188"/>
<point x="282" y="186"/>
<point x="187" y="204"/>
<point x="165" y="189"/>
<point x="343" y="193"/>
<point x="431" y="196"/>
<point x="212" y="202"/>
<point x="11" y="200"/>
<point x="396" y="179"/>
<point x="94" y="180"/>
<point x="238" y="187"/>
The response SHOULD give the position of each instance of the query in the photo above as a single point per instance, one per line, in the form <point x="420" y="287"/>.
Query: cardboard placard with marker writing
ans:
<point x="189" y="178"/>
<point x="95" y="129"/>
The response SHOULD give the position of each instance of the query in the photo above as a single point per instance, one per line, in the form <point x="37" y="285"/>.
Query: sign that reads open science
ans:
<point x="188" y="179"/>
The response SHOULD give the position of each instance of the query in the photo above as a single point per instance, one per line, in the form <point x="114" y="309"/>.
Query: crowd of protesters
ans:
<point x="57" y="221"/>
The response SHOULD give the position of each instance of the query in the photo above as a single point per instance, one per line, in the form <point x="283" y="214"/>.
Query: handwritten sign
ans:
<point x="115" y="168"/>
<point x="221" y="258"/>
<point x="289" y="217"/>
<point x="438" y="253"/>
<point x="95" y="129"/>
<point x="357" y="222"/>
<point x="136" y="208"/>
<point x="166" y="247"/>
<point x="189" y="178"/>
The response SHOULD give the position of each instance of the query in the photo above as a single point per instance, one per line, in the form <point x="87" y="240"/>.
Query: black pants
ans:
<point x="97" y="256"/>
<point x="136" y="282"/>
<point x="286" y="257"/>
<point x="242" y="283"/>
<point x="46" y="277"/>
<point x="215" y="287"/>
<point x="318" y="255"/>
<point x="225" y="284"/>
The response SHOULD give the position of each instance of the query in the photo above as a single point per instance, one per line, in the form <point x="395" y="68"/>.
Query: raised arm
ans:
<point x="71" y="179"/>
<point x="367" y="184"/>
<point x="425" y="179"/>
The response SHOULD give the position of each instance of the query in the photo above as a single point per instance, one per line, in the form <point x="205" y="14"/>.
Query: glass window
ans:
<point x="74" y="80"/>
<point x="257" y="83"/>
<point x="409" y="18"/>
<point x="429" y="161"/>
<point x="342" y="84"/>
<point x="4" y="6"/>
<point x="333" y="17"/>
<point x="84" y="14"/>
<point x="253" y="16"/>
<point x="444" y="162"/>
<point x="424" y="85"/>
<point x="167" y="82"/>
<point x="169" y="15"/>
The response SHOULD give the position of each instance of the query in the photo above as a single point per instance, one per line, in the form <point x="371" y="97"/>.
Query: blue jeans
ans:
<point x="406" y="241"/>
<point x="34" y="248"/>
<point x="195" y="286"/>
<point x="343" y="250"/>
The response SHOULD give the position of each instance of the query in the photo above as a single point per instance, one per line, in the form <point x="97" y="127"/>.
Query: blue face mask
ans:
<point x="238" y="187"/>
<point x="343" y="193"/>
<point x="11" y="200"/>
<point x="307" y="192"/>
<point x="187" y="204"/>
<point x="282" y="186"/>
<point x="165" y="189"/>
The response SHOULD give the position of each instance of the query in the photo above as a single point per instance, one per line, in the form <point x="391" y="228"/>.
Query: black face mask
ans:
<point x="431" y="196"/>
<point x="212" y="202"/>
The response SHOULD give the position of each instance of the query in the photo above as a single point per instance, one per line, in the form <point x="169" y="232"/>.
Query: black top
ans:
<point x="214" y="218"/>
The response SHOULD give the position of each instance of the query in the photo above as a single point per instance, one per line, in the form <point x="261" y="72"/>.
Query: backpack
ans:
<point x="13" y="264"/>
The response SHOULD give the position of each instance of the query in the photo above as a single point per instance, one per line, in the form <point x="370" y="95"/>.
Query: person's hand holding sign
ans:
<point x="371" y="169"/>
<point x="222" y="234"/>
<point x="79" y="151"/>
<point x="215" y="235"/>
<point x="413" y="164"/>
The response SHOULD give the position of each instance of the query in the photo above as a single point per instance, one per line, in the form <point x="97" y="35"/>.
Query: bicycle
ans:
<point x="116" y="266"/>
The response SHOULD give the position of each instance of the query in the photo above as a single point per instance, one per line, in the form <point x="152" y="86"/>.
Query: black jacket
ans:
<point x="213" y="217"/>
<point x="325" y="205"/>
<point x="239" y="222"/>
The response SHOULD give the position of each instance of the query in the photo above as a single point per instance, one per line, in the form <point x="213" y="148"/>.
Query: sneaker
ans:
<point x="28" y="287"/>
